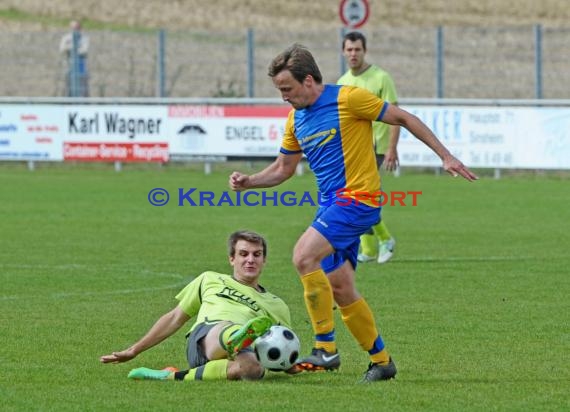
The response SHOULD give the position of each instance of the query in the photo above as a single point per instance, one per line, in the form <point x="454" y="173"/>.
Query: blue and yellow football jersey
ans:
<point x="335" y="134"/>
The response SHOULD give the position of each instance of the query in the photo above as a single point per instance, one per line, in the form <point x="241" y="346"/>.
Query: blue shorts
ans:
<point x="342" y="226"/>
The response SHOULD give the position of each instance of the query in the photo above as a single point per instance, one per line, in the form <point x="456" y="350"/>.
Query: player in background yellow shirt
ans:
<point x="377" y="244"/>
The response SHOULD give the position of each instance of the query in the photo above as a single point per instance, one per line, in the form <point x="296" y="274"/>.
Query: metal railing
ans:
<point x="447" y="62"/>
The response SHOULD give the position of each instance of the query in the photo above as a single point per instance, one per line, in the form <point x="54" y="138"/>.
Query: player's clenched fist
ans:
<point x="238" y="181"/>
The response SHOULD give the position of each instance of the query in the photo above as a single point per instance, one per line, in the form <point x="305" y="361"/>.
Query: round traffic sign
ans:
<point x="354" y="13"/>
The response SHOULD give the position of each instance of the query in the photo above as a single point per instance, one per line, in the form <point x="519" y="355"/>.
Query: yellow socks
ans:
<point x="369" y="244"/>
<point x="226" y="333"/>
<point x="319" y="301"/>
<point x="359" y="319"/>
<point x="357" y="316"/>
<point x="211" y="371"/>
<point x="382" y="232"/>
<point x="369" y="241"/>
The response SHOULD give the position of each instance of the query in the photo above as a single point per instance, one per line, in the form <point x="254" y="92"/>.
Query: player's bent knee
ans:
<point x="304" y="262"/>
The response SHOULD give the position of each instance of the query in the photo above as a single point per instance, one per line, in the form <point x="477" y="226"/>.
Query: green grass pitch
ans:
<point x="474" y="306"/>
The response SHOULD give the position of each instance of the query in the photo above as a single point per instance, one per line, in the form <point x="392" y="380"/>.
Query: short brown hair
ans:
<point x="299" y="61"/>
<point x="248" y="236"/>
<point x="354" y="36"/>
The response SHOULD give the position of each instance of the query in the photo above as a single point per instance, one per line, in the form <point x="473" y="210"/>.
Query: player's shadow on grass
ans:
<point x="311" y="378"/>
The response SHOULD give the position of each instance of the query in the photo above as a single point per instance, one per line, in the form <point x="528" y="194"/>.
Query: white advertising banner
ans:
<point x="226" y="130"/>
<point x="543" y="138"/>
<point x="481" y="136"/>
<point x="493" y="137"/>
<point x="116" y="133"/>
<point x="31" y="132"/>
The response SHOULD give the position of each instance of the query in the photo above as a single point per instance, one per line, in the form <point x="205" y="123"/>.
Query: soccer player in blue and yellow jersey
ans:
<point x="230" y="313"/>
<point x="332" y="126"/>
<point x="376" y="244"/>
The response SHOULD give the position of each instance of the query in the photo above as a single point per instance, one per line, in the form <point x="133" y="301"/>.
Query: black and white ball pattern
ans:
<point x="278" y="349"/>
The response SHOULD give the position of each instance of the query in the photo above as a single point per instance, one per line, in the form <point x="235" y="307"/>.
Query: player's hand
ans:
<point x="118" y="357"/>
<point x="238" y="181"/>
<point x="454" y="167"/>
<point x="391" y="161"/>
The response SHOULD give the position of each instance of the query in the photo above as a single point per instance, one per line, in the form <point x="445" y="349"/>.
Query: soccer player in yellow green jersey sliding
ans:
<point x="230" y="313"/>
<point x="377" y="244"/>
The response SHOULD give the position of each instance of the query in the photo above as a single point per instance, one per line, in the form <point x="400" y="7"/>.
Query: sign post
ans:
<point x="354" y="13"/>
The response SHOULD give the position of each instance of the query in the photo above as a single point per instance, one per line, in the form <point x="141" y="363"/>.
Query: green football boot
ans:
<point x="150" y="374"/>
<point x="247" y="334"/>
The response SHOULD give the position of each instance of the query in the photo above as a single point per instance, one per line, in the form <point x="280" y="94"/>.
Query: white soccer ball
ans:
<point x="278" y="349"/>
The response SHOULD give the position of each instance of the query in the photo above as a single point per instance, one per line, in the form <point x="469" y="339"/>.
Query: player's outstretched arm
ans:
<point x="452" y="165"/>
<point x="119" y="357"/>
<point x="164" y="327"/>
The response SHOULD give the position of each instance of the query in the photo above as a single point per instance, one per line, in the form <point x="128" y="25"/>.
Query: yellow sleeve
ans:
<point x="281" y="315"/>
<point x="189" y="298"/>
<point x="290" y="144"/>
<point x="365" y="105"/>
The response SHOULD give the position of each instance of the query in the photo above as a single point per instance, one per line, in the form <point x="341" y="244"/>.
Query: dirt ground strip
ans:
<point x="292" y="14"/>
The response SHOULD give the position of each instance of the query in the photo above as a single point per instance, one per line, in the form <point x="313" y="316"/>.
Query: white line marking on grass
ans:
<point x="114" y="268"/>
<point x="62" y="295"/>
<point x="117" y="292"/>
<point x="110" y="267"/>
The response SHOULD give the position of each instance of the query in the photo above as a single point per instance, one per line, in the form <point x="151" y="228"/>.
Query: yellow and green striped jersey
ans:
<point x="214" y="297"/>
